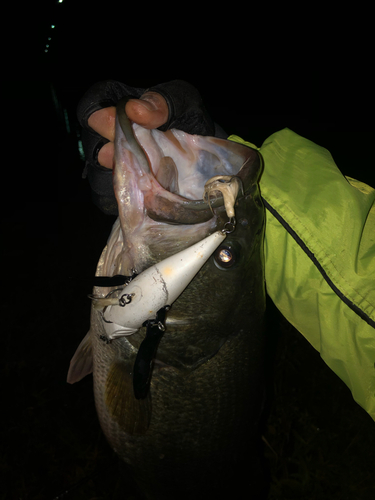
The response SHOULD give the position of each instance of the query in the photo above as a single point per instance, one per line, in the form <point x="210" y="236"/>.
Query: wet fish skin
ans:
<point x="196" y="434"/>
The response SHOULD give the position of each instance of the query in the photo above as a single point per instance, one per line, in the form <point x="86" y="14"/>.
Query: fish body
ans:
<point x="195" y="433"/>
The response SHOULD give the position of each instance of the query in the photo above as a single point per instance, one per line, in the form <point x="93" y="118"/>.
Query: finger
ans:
<point x="106" y="155"/>
<point x="151" y="111"/>
<point x="103" y="122"/>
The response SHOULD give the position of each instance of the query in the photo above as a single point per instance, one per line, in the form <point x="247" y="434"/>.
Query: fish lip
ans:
<point x="165" y="206"/>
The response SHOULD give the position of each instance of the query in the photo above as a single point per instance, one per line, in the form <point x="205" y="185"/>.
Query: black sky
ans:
<point x="255" y="76"/>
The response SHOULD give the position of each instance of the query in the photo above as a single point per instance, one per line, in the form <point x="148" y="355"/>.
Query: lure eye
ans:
<point x="225" y="257"/>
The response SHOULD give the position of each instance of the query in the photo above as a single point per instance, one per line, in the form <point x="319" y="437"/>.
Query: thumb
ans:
<point x="150" y="111"/>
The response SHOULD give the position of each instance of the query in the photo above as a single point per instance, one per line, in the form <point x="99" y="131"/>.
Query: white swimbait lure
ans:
<point x="156" y="287"/>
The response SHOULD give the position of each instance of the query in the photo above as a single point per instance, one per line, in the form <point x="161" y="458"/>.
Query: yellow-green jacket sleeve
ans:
<point x="320" y="256"/>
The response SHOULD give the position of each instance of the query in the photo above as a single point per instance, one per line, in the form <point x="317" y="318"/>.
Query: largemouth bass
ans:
<point x="181" y="407"/>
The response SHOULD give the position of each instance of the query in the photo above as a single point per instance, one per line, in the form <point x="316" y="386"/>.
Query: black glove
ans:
<point x="186" y="112"/>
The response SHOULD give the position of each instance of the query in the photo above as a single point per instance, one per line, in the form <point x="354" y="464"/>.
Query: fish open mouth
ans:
<point x="171" y="169"/>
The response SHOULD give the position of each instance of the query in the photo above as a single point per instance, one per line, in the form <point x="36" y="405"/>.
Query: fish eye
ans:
<point x="225" y="256"/>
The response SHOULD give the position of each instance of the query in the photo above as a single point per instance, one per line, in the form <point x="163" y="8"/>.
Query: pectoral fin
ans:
<point x="133" y="415"/>
<point x="81" y="363"/>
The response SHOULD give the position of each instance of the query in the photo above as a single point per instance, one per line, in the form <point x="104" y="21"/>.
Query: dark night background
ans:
<point x="260" y="79"/>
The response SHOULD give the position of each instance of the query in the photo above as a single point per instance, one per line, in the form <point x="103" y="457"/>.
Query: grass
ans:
<point x="321" y="443"/>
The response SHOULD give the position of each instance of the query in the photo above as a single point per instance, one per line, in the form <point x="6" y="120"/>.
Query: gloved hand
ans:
<point x="175" y="104"/>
